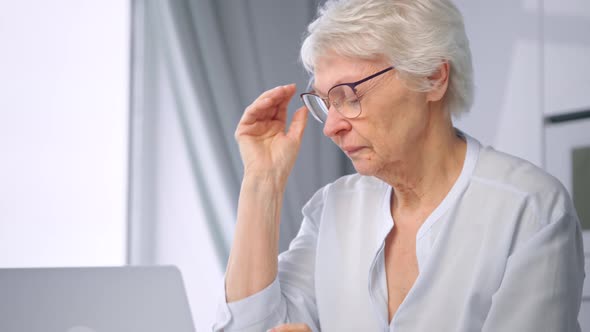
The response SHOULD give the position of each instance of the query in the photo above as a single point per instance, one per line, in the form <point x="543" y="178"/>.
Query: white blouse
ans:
<point x="502" y="252"/>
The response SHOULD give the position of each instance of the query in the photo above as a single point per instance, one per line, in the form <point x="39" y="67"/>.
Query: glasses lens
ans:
<point x="344" y="99"/>
<point x="316" y="106"/>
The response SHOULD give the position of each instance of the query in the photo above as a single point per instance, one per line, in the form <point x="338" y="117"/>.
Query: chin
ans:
<point x="364" y="167"/>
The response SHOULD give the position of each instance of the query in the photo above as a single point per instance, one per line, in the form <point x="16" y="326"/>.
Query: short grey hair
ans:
<point x="415" y="36"/>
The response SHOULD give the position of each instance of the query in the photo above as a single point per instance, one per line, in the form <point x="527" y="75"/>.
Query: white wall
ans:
<point x="505" y="38"/>
<point x="566" y="26"/>
<point x="63" y="132"/>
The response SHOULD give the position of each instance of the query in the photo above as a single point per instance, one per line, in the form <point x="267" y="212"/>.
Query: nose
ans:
<point x="335" y="123"/>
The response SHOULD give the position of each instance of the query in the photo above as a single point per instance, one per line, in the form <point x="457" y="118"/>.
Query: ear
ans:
<point x="440" y="82"/>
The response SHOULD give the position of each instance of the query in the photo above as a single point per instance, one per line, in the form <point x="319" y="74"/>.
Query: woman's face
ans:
<point x="393" y="121"/>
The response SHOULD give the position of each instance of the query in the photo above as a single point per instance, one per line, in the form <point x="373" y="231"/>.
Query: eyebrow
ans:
<point x="338" y="82"/>
<point x="316" y="91"/>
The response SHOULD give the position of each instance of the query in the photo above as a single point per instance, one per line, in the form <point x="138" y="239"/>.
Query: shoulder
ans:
<point x="353" y="184"/>
<point x="501" y="169"/>
<point x="513" y="178"/>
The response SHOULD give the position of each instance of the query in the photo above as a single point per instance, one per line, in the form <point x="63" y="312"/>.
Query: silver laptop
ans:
<point x="104" y="299"/>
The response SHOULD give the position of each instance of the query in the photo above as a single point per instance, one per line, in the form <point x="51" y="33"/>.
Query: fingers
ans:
<point x="289" y="91"/>
<point x="270" y="104"/>
<point x="299" y="327"/>
<point x="298" y="124"/>
<point x="276" y="91"/>
<point x="259" y="109"/>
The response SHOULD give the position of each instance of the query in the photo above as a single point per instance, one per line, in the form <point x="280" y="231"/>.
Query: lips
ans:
<point x="352" y="149"/>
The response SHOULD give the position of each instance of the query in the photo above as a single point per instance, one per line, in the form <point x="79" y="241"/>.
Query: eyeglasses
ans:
<point x="342" y="96"/>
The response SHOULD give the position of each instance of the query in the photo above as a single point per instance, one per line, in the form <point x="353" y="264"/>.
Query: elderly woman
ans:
<point x="434" y="233"/>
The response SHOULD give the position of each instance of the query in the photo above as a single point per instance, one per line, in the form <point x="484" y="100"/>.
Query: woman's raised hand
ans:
<point x="268" y="150"/>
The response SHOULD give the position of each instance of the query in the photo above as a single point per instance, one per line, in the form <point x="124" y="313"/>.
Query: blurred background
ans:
<point x="117" y="121"/>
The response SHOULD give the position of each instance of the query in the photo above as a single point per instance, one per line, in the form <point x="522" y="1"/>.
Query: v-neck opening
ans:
<point x="470" y="160"/>
<point x="460" y="184"/>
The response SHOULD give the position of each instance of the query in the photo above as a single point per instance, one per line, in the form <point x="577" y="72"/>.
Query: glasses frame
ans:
<point x="352" y="85"/>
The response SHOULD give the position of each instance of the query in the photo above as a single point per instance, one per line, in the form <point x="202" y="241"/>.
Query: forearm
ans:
<point x="253" y="263"/>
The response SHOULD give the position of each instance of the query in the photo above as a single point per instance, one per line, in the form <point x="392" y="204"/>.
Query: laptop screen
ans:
<point x="96" y="299"/>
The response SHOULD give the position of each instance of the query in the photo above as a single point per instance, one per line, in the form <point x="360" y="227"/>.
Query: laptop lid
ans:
<point x="96" y="299"/>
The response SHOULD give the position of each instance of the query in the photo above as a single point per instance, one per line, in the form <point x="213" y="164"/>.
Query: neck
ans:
<point x="428" y="171"/>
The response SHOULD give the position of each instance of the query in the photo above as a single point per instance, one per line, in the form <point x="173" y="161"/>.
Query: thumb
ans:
<point x="298" y="124"/>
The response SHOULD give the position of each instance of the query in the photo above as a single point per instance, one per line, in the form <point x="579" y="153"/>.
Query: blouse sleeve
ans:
<point x="542" y="286"/>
